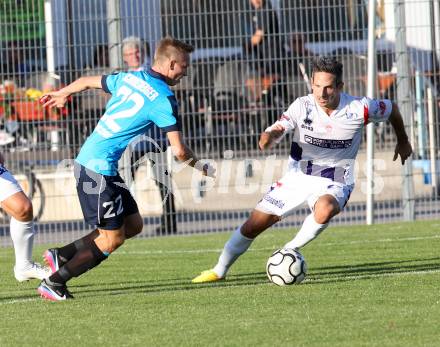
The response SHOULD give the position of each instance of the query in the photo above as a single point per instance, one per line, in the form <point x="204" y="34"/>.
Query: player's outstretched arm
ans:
<point x="403" y="147"/>
<point x="184" y="154"/>
<point x="59" y="97"/>
<point x="270" y="135"/>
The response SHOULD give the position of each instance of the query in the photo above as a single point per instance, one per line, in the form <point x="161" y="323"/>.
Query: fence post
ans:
<point x="404" y="100"/>
<point x="114" y="33"/>
<point x="371" y="85"/>
<point x="432" y="142"/>
<point x="114" y="39"/>
<point x="50" y="55"/>
<point x="420" y="108"/>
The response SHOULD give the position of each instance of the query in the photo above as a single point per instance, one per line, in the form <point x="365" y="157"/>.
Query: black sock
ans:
<point x="85" y="259"/>
<point x="67" y="252"/>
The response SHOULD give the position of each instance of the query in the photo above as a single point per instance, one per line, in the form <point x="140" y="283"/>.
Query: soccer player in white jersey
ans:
<point x="18" y="206"/>
<point x="327" y="129"/>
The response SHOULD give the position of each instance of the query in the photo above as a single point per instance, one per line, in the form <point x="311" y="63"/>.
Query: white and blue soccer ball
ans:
<point x="285" y="267"/>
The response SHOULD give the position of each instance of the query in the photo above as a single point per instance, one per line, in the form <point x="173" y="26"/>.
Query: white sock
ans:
<point x="309" y="231"/>
<point x="236" y="246"/>
<point x="22" y="234"/>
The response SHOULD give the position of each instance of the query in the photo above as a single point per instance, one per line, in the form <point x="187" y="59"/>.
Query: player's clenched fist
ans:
<point x="54" y="99"/>
<point x="271" y="135"/>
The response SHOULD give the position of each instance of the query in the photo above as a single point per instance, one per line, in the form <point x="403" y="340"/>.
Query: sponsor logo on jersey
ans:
<point x="350" y="115"/>
<point x="327" y="143"/>
<point x="306" y="127"/>
<point x="307" y="121"/>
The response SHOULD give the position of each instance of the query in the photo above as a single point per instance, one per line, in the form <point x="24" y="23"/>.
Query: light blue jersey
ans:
<point x="138" y="100"/>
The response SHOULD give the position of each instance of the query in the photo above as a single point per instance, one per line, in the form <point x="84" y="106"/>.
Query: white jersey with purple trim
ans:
<point x="326" y="145"/>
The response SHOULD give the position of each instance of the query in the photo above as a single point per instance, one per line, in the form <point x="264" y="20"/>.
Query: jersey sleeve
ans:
<point x="166" y="115"/>
<point x="110" y="83"/>
<point x="287" y="120"/>
<point x="376" y="110"/>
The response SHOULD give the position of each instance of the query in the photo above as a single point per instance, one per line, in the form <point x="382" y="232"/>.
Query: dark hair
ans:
<point x="329" y="65"/>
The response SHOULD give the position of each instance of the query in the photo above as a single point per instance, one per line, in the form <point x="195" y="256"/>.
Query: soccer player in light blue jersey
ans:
<point x="139" y="100"/>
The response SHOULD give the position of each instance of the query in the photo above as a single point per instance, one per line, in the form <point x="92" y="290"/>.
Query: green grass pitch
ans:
<point x="366" y="286"/>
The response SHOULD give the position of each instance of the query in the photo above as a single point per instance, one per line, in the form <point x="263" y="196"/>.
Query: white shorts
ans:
<point x="296" y="188"/>
<point x="8" y="184"/>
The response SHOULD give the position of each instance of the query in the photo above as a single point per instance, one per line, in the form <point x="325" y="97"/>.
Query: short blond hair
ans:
<point x="169" y="47"/>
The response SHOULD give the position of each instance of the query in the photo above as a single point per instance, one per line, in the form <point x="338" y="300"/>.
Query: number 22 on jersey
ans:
<point x="108" y="124"/>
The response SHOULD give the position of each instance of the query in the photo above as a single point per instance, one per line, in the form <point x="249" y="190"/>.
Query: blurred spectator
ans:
<point x="15" y="70"/>
<point x="135" y="53"/>
<point x="297" y="61"/>
<point x="136" y="56"/>
<point x="100" y="57"/>
<point x="265" y="53"/>
<point x="15" y="66"/>
<point x="91" y="102"/>
<point x="264" y="48"/>
<point x="298" y="53"/>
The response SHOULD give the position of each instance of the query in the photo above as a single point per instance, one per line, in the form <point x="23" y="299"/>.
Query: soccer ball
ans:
<point x="285" y="267"/>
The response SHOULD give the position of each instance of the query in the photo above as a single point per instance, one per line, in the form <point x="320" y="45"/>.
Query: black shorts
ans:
<point x="105" y="200"/>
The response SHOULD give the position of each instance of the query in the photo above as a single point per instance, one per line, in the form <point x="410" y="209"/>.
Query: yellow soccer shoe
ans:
<point x="207" y="276"/>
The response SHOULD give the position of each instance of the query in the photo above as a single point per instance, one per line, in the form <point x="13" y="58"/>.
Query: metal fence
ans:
<point x="234" y="90"/>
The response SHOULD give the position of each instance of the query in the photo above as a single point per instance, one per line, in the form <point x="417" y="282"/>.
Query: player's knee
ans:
<point x="24" y="212"/>
<point x="257" y="223"/>
<point x="324" y="211"/>
<point x="111" y="241"/>
<point x="116" y="242"/>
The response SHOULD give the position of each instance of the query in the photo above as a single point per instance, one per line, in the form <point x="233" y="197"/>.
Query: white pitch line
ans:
<point x="18" y="301"/>
<point x="325" y="244"/>
<point x="328" y="278"/>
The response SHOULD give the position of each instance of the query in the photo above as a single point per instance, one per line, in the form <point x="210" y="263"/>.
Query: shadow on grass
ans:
<point x="365" y="271"/>
<point x="321" y="275"/>
<point x="318" y="276"/>
<point x="182" y="284"/>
